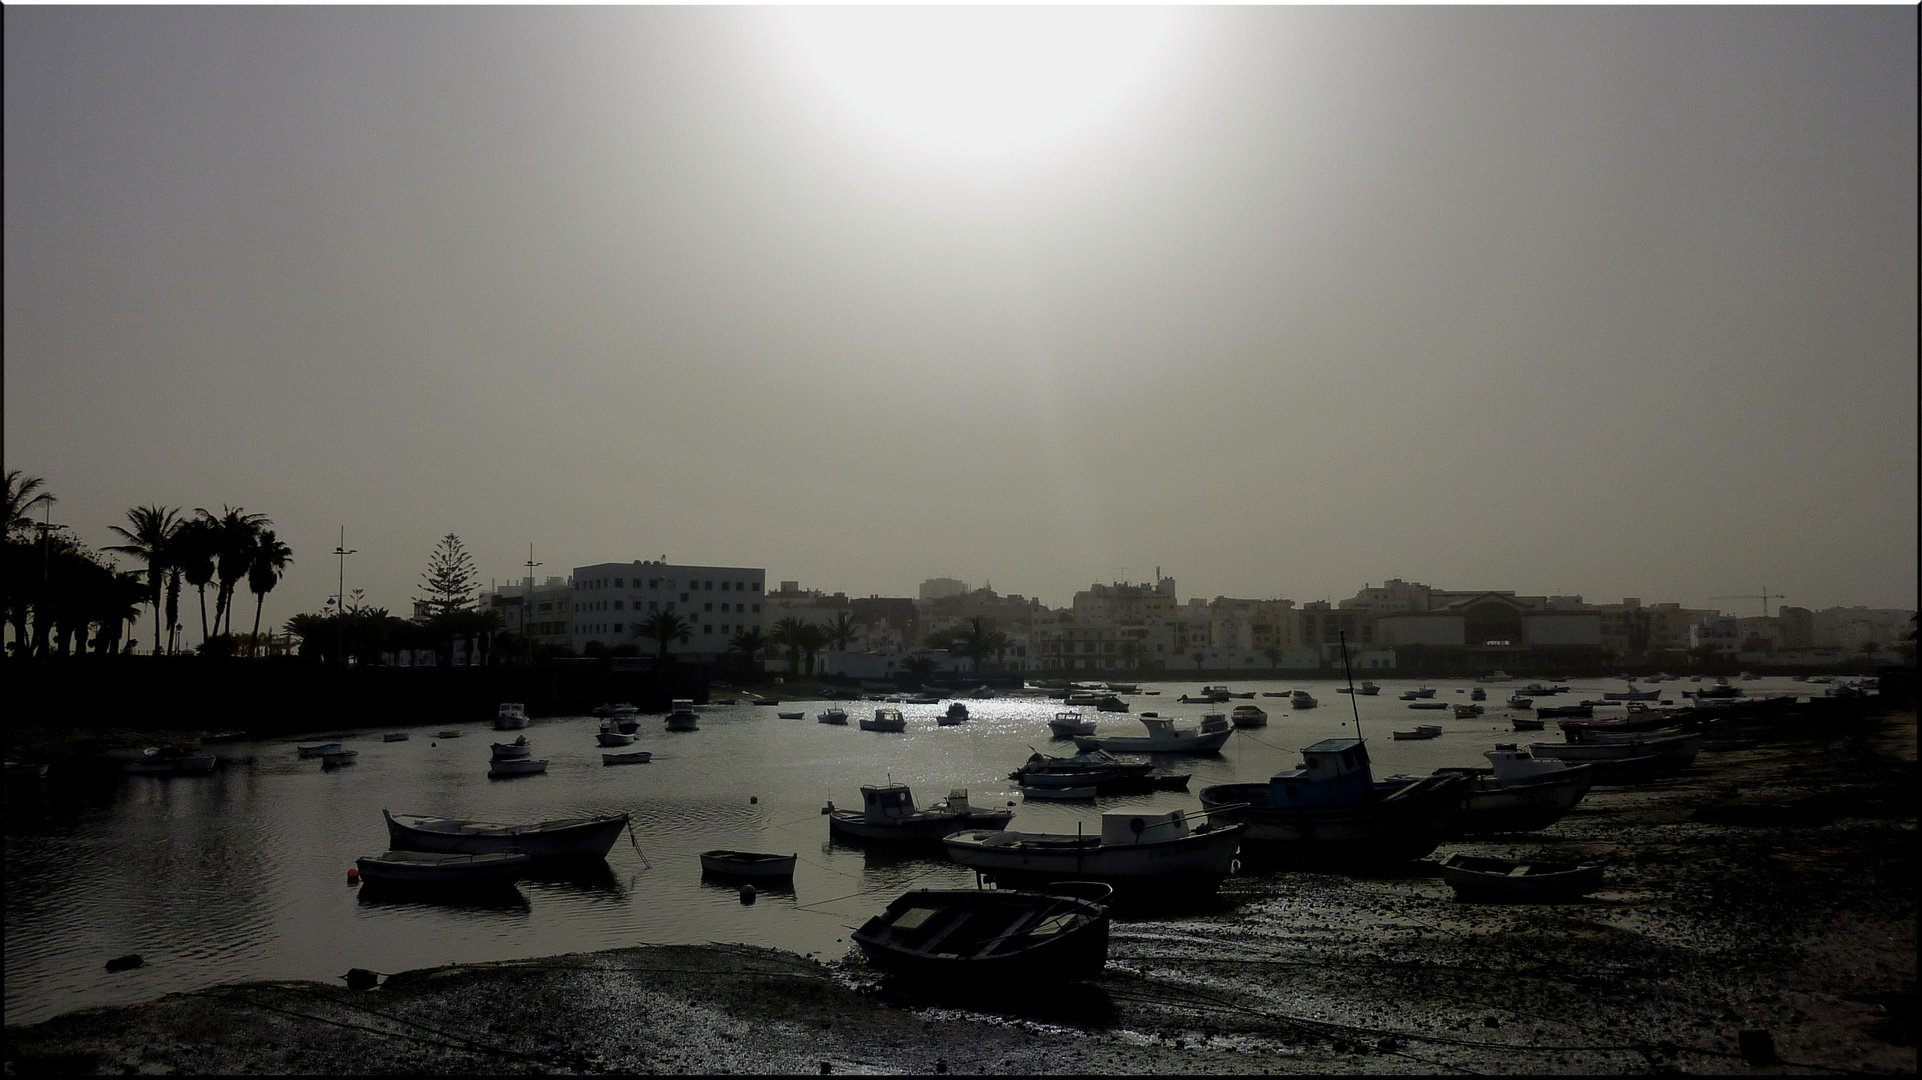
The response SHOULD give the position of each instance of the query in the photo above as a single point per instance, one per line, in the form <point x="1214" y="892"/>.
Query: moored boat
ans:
<point x="317" y="749"/>
<point x="333" y="759"/>
<point x="1465" y="712"/>
<point x="1553" y="712"/>
<point x="450" y="733"/>
<point x="510" y="716"/>
<point x="1138" y="853"/>
<point x="1164" y="737"/>
<point x="519" y="748"/>
<point x="1520" y="702"/>
<point x="791" y="715"/>
<point x="1483" y="878"/>
<point x="171" y="761"/>
<point x="394" y="736"/>
<point x="558" y="838"/>
<point x="885" y="719"/>
<point x="1066" y="725"/>
<point x="1437" y="705"/>
<point x="1519" y="792"/>
<point x="1632" y="694"/>
<point x="995" y="937"/>
<point x="439" y="868"/>
<point x="1330" y="811"/>
<point x="632" y="757"/>
<point x="1368" y="689"/>
<point x="957" y="714"/>
<point x="505" y="767"/>
<point x="608" y="736"/>
<point x="1422" y="731"/>
<point x="833" y="714"/>
<point x="682" y="717"/>
<point x="753" y="865"/>
<point x="1302" y="699"/>
<point x="1248" y="716"/>
<point x="888" y="815"/>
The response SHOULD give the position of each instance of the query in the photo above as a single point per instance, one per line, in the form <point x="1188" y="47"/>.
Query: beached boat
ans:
<point x="1436" y="705"/>
<point x="1632" y="694"/>
<point x="1627" y="759"/>
<point x="1527" y="723"/>
<point x="1642" y="722"/>
<point x="501" y="768"/>
<point x="885" y="719"/>
<point x="1248" y="716"/>
<point x="510" y="716"/>
<point x="1422" y="731"/>
<point x="888" y="815"/>
<point x="751" y="865"/>
<point x="1330" y="811"/>
<point x="957" y="714"/>
<point x="988" y="937"/>
<point x="317" y="749"/>
<point x="1720" y="689"/>
<point x="833" y="714"/>
<point x="1163" y="737"/>
<point x="583" y="837"/>
<point x="1136" y="852"/>
<point x="682" y="717"/>
<point x="334" y="759"/>
<point x="450" y="733"/>
<point x="519" y="748"/>
<point x="1302" y="699"/>
<point x="439" y="868"/>
<point x="171" y="761"/>
<point x="1478" y="694"/>
<point x="1518" y="792"/>
<point x="1553" y="712"/>
<point x="631" y="757"/>
<point x="1520" y="702"/>
<point x="1483" y="878"/>
<point x="394" y="736"/>
<point x="1465" y="712"/>
<point x="1067" y="725"/>
<point x="791" y="715"/>
<point x="21" y="770"/>
<point x="1100" y="770"/>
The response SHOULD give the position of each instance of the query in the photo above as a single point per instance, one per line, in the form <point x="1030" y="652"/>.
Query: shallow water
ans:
<point x="241" y="874"/>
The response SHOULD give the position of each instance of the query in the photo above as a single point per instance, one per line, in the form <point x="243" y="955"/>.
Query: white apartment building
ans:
<point x="611" y="599"/>
<point x="547" y="620"/>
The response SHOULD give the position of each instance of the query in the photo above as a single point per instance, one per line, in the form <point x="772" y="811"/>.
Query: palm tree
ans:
<point x="269" y="564"/>
<point x="787" y="635"/>
<point x="235" y="533"/>
<point x="811" y="639"/>
<point x="979" y="640"/>
<point x="151" y="540"/>
<point x="23" y="494"/>
<point x="664" y="627"/>
<point x="747" y="643"/>
<point x="194" y="547"/>
<point x="842" y="629"/>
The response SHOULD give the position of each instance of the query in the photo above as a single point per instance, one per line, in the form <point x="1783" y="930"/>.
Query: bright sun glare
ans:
<point x="980" y="82"/>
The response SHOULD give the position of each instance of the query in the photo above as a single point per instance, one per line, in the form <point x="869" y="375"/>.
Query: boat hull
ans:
<point x="987" y="936"/>
<point x="614" y="738"/>
<point x="560" y="838"/>
<point x="1200" y="743"/>
<point x="504" y="767"/>
<point x="1521" y="806"/>
<point x="1191" y="864"/>
<point x="852" y="825"/>
<point x="637" y="757"/>
<point x="1405" y="825"/>
<point x="1514" y="881"/>
<point x="418" y="869"/>
<point x="748" y="865"/>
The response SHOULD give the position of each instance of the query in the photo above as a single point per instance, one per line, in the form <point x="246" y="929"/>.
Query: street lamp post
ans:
<point x="527" y="601"/>
<point x="340" y="600"/>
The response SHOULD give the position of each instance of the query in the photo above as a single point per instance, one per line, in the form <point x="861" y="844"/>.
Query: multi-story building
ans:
<point x="610" y="600"/>
<point x="1123" y="602"/>
<point x="1850" y="628"/>
<point x="1066" y="642"/>
<point x="546" y="620"/>
<point x="937" y="587"/>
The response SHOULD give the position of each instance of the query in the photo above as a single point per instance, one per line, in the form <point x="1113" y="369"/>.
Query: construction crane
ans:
<point x="1764" y="596"/>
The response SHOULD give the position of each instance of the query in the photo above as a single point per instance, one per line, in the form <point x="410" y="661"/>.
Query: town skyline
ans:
<point x="1608" y="302"/>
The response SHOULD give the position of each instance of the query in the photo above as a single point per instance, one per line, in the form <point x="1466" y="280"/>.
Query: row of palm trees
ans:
<point x="224" y="550"/>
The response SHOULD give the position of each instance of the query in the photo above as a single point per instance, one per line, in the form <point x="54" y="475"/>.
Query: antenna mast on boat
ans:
<point x="1343" y="635"/>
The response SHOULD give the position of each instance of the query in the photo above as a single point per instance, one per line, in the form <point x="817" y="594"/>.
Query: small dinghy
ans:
<point x="394" y="736"/>
<point x="1424" y="731"/>
<point x="608" y="736"/>
<point x="834" y="714"/>
<point x="1428" y="704"/>
<point x="334" y="759"/>
<point x="748" y="864"/>
<point x="1484" y="878"/>
<point x="789" y="715"/>
<point x="450" y="733"/>
<point x="519" y="748"/>
<point x="1248" y="716"/>
<point x="318" y="749"/>
<point x="439" y="868"/>
<point x="1057" y="793"/>
<point x="504" y="767"/>
<point x="974" y="936"/>
<point x="589" y="837"/>
<point x="635" y="757"/>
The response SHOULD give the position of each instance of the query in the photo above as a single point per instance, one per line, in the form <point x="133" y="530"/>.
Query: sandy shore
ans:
<point x="1769" y="890"/>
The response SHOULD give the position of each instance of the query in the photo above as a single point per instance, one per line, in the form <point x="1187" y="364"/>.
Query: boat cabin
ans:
<point x="889" y="802"/>
<point x="1129" y="828"/>
<point x="1332" y="772"/>
<point x="1512" y="763"/>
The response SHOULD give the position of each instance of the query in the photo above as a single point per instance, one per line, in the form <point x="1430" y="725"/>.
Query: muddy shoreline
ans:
<point x="1768" y="890"/>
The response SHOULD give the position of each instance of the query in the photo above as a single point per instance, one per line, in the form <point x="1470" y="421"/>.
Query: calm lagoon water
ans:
<point x="242" y="874"/>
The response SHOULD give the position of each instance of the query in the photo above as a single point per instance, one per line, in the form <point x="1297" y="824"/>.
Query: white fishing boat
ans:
<point x="1067" y="725"/>
<point x="1302" y="699"/>
<point x="833" y="714"/>
<point x="682" y="717"/>
<point x="608" y="736"/>
<point x="888" y="815"/>
<point x="505" y="767"/>
<point x="973" y="817"/>
<point x="429" y="868"/>
<point x="632" y="757"/>
<point x="556" y="838"/>
<point x="1248" y="716"/>
<point x="317" y="749"/>
<point x="1368" y="689"/>
<point x="885" y="719"/>
<point x="957" y="714"/>
<point x="519" y="748"/>
<point x="1519" y="792"/>
<point x="1134" y="851"/>
<point x="1164" y="738"/>
<point x="510" y="716"/>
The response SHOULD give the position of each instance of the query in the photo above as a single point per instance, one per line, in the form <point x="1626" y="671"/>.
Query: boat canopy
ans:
<point x="1331" y="772"/>
<point x="887" y="803"/>
<point x="1126" y="828"/>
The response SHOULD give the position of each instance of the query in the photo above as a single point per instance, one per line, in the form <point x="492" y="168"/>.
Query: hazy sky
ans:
<point x="1616" y="301"/>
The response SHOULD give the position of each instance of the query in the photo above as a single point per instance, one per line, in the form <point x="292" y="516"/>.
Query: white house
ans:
<point x="611" y="599"/>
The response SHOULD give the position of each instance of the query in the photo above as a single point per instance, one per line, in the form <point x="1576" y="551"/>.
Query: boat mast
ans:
<point x="1343" y="635"/>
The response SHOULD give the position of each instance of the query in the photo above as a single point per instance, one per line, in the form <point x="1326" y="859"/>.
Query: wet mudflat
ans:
<point x="1769" y="889"/>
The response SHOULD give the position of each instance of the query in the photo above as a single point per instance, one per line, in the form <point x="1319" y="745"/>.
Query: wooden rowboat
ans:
<point x="1483" y="878"/>
<point x="633" y="757"/>
<point x="973" y="936"/>
<point x="748" y="864"/>
<point x="435" y="868"/>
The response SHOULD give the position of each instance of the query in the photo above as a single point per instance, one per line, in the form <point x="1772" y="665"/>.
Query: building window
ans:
<point x="709" y="586"/>
<point x="708" y="607"/>
<point x="653" y="583"/>
<point x="708" y="629"/>
<point x="653" y="605"/>
<point x="683" y="597"/>
<point x="754" y="586"/>
<point x="617" y="584"/>
<point x="617" y="605"/>
<point x="757" y="609"/>
<point x="617" y="628"/>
